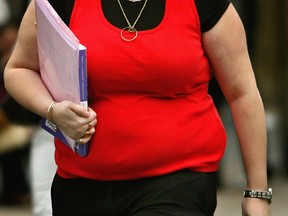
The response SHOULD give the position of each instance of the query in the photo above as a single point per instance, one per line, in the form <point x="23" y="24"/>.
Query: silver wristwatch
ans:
<point x="259" y="194"/>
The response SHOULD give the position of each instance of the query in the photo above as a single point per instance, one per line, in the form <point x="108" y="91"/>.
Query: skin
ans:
<point x="225" y="45"/>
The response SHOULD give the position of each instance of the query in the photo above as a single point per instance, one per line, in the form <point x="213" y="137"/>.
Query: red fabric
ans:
<point x="154" y="113"/>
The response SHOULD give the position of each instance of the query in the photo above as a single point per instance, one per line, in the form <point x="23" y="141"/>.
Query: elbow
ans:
<point x="8" y="77"/>
<point x="251" y="97"/>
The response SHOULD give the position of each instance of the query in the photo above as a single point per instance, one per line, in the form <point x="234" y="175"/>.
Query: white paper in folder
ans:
<point x="62" y="62"/>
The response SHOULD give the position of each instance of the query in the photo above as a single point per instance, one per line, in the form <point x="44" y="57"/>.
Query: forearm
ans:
<point x="27" y="88"/>
<point x="249" y="120"/>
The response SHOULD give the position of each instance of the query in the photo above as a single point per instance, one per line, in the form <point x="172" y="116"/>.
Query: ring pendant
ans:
<point x="132" y="31"/>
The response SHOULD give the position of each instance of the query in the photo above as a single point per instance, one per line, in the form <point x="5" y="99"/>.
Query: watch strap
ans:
<point x="259" y="194"/>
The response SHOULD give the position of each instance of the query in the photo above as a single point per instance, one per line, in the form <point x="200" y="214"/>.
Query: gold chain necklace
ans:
<point x="130" y="29"/>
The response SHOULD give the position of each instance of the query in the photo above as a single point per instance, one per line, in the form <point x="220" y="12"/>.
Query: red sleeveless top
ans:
<point x="150" y="95"/>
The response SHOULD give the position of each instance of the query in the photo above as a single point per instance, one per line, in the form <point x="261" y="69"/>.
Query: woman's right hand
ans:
<point x="74" y="120"/>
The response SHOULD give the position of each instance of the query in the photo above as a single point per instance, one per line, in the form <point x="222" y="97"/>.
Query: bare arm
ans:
<point x="226" y="48"/>
<point x="23" y="82"/>
<point x="22" y="70"/>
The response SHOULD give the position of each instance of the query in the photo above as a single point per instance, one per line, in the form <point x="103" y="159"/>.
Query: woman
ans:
<point x="157" y="140"/>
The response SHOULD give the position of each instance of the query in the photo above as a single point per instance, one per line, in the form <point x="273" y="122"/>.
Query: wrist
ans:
<point x="49" y="117"/>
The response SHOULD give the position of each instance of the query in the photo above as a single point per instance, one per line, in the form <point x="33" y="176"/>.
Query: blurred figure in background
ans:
<point x="4" y="12"/>
<point x="17" y="184"/>
<point x="14" y="151"/>
<point x="42" y="168"/>
<point x="16" y="123"/>
<point x="14" y="138"/>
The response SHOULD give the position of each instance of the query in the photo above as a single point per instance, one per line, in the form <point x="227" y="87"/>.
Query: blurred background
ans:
<point x="266" y="24"/>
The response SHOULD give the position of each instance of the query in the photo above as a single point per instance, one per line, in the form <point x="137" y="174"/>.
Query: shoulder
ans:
<point x="210" y="12"/>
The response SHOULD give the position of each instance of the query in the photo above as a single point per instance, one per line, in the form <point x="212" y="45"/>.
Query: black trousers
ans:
<point x="181" y="193"/>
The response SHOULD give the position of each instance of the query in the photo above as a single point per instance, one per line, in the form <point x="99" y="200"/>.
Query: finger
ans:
<point x="84" y="139"/>
<point x="81" y="140"/>
<point x="92" y="124"/>
<point x="88" y="133"/>
<point x="92" y="112"/>
<point x="79" y="110"/>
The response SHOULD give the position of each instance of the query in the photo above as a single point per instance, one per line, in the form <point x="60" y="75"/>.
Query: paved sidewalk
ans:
<point x="229" y="202"/>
